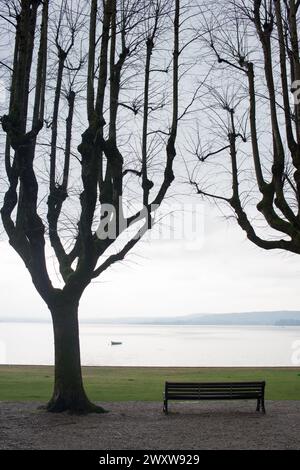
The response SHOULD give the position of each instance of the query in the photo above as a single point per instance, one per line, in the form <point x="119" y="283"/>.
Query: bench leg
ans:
<point x="165" y="409"/>
<point x="263" y="406"/>
<point x="258" y="405"/>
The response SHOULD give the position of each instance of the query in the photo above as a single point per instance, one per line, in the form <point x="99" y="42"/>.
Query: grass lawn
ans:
<point x="21" y="383"/>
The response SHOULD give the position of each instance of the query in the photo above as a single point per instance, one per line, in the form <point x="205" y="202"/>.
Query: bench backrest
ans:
<point x="213" y="389"/>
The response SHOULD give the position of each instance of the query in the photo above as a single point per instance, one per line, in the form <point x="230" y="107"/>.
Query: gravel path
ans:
<point x="142" y="425"/>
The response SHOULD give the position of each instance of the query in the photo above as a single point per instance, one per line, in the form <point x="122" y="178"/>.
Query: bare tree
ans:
<point x="85" y="68"/>
<point x="253" y="108"/>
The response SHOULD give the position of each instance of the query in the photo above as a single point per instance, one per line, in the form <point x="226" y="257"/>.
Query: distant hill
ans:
<point x="279" y="318"/>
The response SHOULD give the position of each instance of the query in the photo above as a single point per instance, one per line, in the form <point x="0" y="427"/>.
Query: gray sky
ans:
<point x="219" y="272"/>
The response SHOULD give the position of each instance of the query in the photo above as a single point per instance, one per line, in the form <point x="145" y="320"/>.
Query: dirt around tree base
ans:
<point x="142" y="425"/>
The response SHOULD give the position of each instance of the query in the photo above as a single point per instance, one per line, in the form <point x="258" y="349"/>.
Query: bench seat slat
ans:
<point x="214" y="397"/>
<point x="214" y="385"/>
<point x="220" y="390"/>
<point x="213" y="392"/>
<point x="206" y="389"/>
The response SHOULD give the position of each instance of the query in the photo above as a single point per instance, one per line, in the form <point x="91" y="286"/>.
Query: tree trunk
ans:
<point x="68" y="394"/>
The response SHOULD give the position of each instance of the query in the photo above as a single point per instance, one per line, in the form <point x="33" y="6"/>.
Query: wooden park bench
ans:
<point x="215" y="391"/>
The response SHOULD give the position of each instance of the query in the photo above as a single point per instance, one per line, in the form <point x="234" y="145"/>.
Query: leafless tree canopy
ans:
<point x="254" y="112"/>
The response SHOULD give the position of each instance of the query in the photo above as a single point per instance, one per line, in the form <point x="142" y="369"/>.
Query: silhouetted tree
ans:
<point x="89" y="69"/>
<point x="253" y="107"/>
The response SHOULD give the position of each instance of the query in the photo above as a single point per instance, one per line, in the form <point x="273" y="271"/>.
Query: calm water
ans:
<point x="22" y="343"/>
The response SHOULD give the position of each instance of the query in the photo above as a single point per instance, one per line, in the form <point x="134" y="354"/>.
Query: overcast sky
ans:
<point x="220" y="271"/>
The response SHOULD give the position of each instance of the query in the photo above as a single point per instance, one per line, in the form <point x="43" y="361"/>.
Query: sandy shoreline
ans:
<point x="142" y="425"/>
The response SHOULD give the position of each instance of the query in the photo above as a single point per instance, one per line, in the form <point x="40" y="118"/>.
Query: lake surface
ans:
<point x="152" y="345"/>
